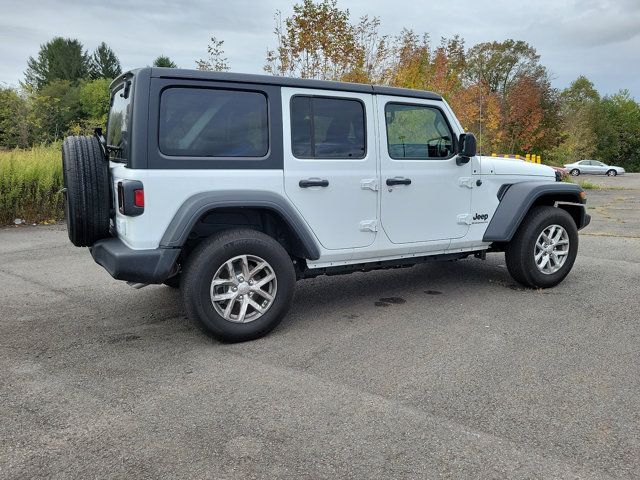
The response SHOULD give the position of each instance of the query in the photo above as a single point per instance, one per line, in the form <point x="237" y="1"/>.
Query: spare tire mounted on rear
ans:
<point x="87" y="197"/>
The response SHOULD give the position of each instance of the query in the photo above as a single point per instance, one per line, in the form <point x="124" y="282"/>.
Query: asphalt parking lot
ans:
<point x="441" y="370"/>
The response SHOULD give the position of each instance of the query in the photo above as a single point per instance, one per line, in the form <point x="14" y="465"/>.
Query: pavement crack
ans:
<point x="35" y="282"/>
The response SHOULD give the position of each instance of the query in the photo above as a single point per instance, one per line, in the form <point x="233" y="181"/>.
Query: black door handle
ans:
<point x="313" y="183"/>
<point x="398" y="181"/>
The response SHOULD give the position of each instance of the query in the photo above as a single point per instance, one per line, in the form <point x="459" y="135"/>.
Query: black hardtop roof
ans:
<point x="180" y="73"/>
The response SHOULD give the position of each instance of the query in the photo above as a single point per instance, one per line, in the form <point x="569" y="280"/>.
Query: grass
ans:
<point x="31" y="184"/>
<point x="589" y="185"/>
<point x="586" y="184"/>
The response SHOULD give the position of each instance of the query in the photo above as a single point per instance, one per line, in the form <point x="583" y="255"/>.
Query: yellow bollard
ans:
<point x="494" y="154"/>
<point x="527" y="157"/>
<point x="517" y="157"/>
<point x="538" y="159"/>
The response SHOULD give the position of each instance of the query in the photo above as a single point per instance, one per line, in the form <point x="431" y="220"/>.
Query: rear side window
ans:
<point x="118" y="123"/>
<point x="200" y="122"/>
<point x="417" y="132"/>
<point x="327" y="128"/>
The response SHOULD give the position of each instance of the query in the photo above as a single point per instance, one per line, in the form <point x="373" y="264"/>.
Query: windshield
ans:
<point x="118" y="123"/>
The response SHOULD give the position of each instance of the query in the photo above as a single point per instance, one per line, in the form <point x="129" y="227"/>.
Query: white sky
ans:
<point x="596" y="38"/>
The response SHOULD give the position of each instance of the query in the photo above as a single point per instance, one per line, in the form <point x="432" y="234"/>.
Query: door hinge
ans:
<point x="369" y="226"/>
<point x="466" y="182"/>
<point x="465" y="219"/>
<point x="369" y="184"/>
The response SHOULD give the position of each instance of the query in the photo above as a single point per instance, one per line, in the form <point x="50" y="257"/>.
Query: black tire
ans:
<point x="612" y="173"/>
<point x="575" y="172"/>
<point x="202" y="265"/>
<point x="87" y="198"/>
<point x="519" y="253"/>
<point x="173" y="282"/>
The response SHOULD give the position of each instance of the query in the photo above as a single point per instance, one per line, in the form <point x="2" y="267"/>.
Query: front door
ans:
<point x="330" y="159"/>
<point x="598" y="167"/>
<point x="425" y="195"/>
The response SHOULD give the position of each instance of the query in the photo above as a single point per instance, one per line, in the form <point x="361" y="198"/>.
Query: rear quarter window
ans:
<point x="118" y="123"/>
<point x="207" y="122"/>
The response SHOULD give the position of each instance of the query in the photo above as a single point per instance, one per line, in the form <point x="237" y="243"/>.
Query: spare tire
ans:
<point x="87" y="198"/>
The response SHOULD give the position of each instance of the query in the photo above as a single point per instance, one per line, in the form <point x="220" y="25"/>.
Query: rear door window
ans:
<point x="205" y="122"/>
<point x="327" y="128"/>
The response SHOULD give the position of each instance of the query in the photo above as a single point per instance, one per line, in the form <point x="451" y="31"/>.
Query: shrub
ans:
<point x="31" y="184"/>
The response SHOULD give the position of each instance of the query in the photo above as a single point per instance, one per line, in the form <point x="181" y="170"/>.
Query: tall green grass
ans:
<point x="31" y="184"/>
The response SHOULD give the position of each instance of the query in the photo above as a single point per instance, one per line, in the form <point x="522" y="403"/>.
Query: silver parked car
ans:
<point x="594" y="167"/>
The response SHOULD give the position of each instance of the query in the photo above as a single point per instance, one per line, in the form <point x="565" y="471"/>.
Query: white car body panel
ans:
<point x="334" y="213"/>
<point x="433" y="215"/>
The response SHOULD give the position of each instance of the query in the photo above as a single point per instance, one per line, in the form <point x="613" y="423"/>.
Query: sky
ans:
<point x="596" y="38"/>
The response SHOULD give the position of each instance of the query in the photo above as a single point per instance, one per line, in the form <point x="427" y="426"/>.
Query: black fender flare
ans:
<point x="517" y="199"/>
<point x="196" y="206"/>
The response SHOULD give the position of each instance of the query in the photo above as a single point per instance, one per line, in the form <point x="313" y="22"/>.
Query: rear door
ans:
<point x="423" y="194"/>
<point x="330" y="159"/>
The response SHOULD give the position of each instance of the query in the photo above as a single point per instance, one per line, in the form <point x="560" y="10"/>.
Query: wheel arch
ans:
<point x="207" y="212"/>
<point x="516" y="200"/>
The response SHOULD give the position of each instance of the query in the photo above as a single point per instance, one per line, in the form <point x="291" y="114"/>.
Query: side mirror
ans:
<point x="467" y="148"/>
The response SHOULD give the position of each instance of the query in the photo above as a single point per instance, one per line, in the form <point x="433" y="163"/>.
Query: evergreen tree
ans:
<point x="58" y="59"/>
<point x="104" y="63"/>
<point x="164" y="61"/>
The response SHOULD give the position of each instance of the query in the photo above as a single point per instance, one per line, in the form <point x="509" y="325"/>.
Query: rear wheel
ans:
<point x="238" y="285"/>
<point x="173" y="282"/>
<point x="87" y="195"/>
<point x="575" y="172"/>
<point x="543" y="250"/>
<point x="612" y="173"/>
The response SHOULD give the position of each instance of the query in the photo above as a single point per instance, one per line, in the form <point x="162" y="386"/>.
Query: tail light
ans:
<point x="138" y="197"/>
<point x="130" y="197"/>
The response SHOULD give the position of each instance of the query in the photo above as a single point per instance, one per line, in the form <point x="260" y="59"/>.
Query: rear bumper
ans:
<point x="140" y="266"/>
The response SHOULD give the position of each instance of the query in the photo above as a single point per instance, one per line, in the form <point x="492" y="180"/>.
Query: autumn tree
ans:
<point x="373" y="53"/>
<point x="420" y="66"/>
<point x="500" y="64"/>
<point x="217" y="60"/>
<point x="413" y="57"/>
<point x="319" y="41"/>
<point x="522" y="115"/>
<point x="479" y="111"/>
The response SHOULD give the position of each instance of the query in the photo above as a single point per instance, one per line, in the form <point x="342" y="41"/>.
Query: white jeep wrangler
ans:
<point x="234" y="186"/>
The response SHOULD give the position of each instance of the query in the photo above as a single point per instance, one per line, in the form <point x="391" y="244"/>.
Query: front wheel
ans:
<point x="612" y="173"/>
<point x="575" y="172"/>
<point x="238" y="285"/>
<point x="543" y="250"/>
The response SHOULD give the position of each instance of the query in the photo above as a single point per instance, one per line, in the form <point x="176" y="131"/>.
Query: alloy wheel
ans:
<point x="551" y="249"/>
<point x="243" y="288"/>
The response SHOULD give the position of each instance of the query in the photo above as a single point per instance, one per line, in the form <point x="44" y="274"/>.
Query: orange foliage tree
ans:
<point x="499" y="90"/>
